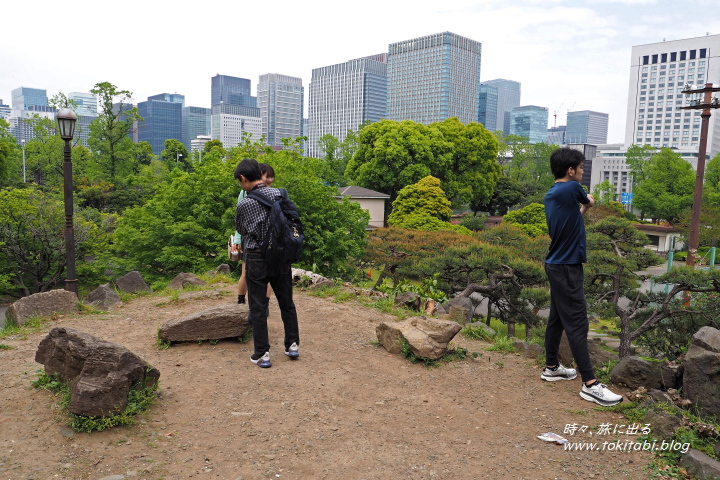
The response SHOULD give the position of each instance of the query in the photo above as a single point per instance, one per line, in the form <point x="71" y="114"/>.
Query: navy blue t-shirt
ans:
<point x="565" y="223"/>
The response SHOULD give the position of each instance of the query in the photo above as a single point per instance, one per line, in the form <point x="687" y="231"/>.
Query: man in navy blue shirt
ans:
<point x="565" y="204"/>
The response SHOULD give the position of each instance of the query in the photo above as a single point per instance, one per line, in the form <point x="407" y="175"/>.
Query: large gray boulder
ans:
<point x="635" y="372"/>
<point x="103" y="297"/>
<point x="428" y="337"/>
<point x="463" y="303"/>
<point x="42" y="305"/>
<point x="700" y="466"/>
<point x="184" y="279"/>
<point x="701" y="371"/>
<point x="409" y="300"/>
<point x="215" y="323"/>
<point x="100" y="373"/>
<point x="132" y="282"/>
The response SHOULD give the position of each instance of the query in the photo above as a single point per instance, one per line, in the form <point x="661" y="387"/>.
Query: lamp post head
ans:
<point x="66" y="119"/>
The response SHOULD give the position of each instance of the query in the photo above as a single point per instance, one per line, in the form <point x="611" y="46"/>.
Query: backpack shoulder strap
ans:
<point x="261" y="199"/>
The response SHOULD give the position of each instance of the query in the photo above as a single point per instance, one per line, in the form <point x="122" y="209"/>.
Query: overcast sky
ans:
<point x="566" y="54"/>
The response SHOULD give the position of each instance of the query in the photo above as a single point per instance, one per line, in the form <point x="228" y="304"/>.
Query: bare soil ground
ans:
<point x="345" y="410"/>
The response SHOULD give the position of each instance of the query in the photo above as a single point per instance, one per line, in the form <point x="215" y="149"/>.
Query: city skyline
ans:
<point x="563" y="53"/>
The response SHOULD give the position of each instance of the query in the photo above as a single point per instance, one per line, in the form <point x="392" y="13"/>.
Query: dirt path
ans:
<point x="346" y="410"/>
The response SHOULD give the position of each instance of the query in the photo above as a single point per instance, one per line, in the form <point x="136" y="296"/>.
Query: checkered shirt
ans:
<point x="252" y="219"/>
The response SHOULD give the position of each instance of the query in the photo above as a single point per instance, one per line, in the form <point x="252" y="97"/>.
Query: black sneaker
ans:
<point x="262" y="362"/>
<point x="560" y="373"/>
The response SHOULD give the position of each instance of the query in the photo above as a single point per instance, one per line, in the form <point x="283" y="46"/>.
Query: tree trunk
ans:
<point x="528" y="333"/>
<point x="511" y="329"/>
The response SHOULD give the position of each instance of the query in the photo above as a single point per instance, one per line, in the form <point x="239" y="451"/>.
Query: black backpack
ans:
<point x="283" y="242"/>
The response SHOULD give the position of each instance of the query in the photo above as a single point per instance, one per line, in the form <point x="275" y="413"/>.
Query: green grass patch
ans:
<point x="5" y="347"/>
<point x="138" y="402"/>
<point x="32" y="325"/>
<point x="161" y="344"/>
<point x="344" y="296"/>
<point x="501" y="343"/>
<point x="246" y="337"/>
<point x="602" y="372"/>
<point x="453" y="353"/>
<point x="475" y="332"/>
<point x="324" y="291"/>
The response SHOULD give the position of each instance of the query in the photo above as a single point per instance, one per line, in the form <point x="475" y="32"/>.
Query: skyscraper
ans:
<point x="658" y="73"/>
<point x="231" y="91"/>
<point x="162" y="116"/>
<point x="434" y="77"/>
<point x="23" y="98"/>
<point x="488" y="107"/>
<point x="344" y="96"/>
<point x="280" y="99"/>
<point x="530" y="122"/>
<point x="586" y="126"/>
<point x="508" y="97"/>
<point x="228" y="123"/>
<point x="195" y="122"/>
<point x="86" y="110"/>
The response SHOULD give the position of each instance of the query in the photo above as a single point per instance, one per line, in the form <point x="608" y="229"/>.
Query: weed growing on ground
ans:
<point x="32" y="325"/>
<point x="138" y="402"/>
<point x="452" y="353"/>
<point x="501" y="343"/>
<point x="603" y="371"/>
<point x="161" y="344"/>
<point x="5" y="347"/>
<point x="344" y="296"/>
<point x="475" y="332"/>
<point x="246" y="337"/>
<point x="217" y="278"/>
<point x="324" y="291"/>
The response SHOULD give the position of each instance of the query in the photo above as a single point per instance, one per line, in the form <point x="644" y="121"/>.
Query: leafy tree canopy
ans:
<point x="392" y="155"/>
<point x="668" y="187"/>
<point x="530" y="219"/>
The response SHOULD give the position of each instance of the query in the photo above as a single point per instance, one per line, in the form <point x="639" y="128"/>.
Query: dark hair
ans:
<point x="248" y="168"/>
<point x="564" y="158"/>
<point x="267" y="170"/>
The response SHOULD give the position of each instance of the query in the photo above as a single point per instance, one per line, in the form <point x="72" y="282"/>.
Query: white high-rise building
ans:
<point x="344" y="96"/>
<point x="280" y="99"/>
<point x="658" y="74"/>
<point x="229" y="128"/>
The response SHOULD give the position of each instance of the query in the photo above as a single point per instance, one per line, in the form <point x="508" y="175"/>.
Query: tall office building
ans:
<point x="587" y="127"/>
<point x="230" y="128"/>
<point x="658" y="73"/>
<point x="195" y="122"/>
<point x="162" y="116"/>
<point x="508" y="97"/>
<point x="24" y="98"/>
<point x="231" y="91"/>
<point x="530" y="122"/>
<point x="280" y="99"/>
<point x="86" y="110"/>
<point x="433" y="78"/>
<point x="488" y="107"/>
<point x="5" y="110"/>
<point x="344" y="96"/>
<point x="556" y="135"/>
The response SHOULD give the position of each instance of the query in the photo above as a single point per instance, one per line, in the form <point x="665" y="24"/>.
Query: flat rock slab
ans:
<point x="100" y="373"/>
<point x="427" y="337"/>
<point x="224" y="321"/>
<point x="42" y="305"/>
<point x="700" y="465"/>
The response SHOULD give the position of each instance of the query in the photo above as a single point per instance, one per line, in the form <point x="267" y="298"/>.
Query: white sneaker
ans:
<point x="262" y="362"/>
<point x="600" y="394"/>
<point x="560" y="373"/>
<point x="293" y="352"/>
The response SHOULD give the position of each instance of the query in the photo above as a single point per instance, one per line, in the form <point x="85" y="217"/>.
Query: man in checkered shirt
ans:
<point x="252" y="222"/>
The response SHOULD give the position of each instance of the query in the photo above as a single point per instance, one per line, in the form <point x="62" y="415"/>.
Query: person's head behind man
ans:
<point x="567" y="163"/>
<point x="248" y="173"/>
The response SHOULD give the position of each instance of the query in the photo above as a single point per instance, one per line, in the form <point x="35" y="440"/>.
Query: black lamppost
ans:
<point x="702" y="100"/>
<point x="66" y="119"/>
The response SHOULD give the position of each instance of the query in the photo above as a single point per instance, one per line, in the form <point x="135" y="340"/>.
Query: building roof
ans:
<point x="360" y="192"/>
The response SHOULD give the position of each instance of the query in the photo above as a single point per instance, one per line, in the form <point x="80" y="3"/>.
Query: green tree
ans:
<point x="424" y="198"/>
<point x="604" y="192"/>
<point x="176" y="154"/>
<point x="528" y="164"/>
<point x="530" y="219"/>
<point x="616" y="252"/>
<point x="8" y="153"/>
<point x="508" y="193"/>
<point x="143" y="153"/>
<point x="392" y="155"/>
<point x="216" y="146"/>
<point x="32" y="248"/>
<point x="668" y="187"/>
<point x="711" y="188"/>
<point x="638" y="159"/>
<point x="109" y="132"/>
